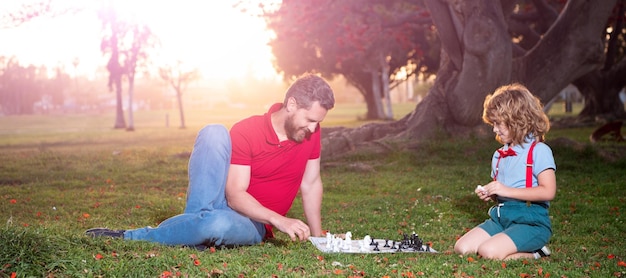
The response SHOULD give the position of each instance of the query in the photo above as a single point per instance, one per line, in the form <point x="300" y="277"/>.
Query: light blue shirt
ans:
<point x="512" y="169"/>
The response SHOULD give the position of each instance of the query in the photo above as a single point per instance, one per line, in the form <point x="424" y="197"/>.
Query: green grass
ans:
<point x="60" y="175"/>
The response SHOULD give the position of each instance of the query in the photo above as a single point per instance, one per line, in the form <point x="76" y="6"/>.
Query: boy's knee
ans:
<point x="460" y="249"/>
<point x="488" y="251"/>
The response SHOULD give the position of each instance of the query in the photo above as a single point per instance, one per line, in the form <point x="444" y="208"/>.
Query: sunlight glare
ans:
<point x="210" y="35"/>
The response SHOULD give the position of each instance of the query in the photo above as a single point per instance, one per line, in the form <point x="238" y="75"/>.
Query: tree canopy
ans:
<point x="367" y="43"/>
<point x="479" y="44"/>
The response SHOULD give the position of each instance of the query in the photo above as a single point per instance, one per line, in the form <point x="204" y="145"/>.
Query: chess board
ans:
<point x="371" y="246"/>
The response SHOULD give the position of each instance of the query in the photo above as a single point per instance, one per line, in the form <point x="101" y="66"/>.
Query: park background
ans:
<point x="68" y="164"/>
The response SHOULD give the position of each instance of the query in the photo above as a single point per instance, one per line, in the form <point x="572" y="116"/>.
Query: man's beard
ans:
<point x="294" y="133"/>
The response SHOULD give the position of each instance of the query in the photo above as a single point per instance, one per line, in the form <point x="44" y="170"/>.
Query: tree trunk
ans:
<point x="384" y="81"/>
<point x="376" y="94"/>
<point x="363" y="81"/>
<point x="477" y="58"/>
<point x="601" y="92"/>
<point x="120" y="122"/>
<point x="570" y="49"/>
<point x="131" y="86"/>
<point x="179" y="96"/>
<point x="480" y="62"/>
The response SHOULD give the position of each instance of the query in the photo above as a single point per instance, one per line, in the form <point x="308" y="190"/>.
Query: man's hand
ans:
<point x="295" y="228"/>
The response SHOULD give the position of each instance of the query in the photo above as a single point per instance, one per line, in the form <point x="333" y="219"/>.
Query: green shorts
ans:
<point x="527" y="225"/>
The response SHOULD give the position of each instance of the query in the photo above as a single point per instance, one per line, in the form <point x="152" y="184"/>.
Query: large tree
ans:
<point x="480" y="52"/>
<point x="366" y="42"/>
<point x="601" y="87"/>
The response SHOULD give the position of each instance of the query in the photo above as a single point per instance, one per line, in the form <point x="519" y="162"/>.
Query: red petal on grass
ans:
<point x="212" y="249"/>
<point x="137" y="206"/>
<point x="197" y="262"/>
<point x="98" y="256"/>
<point x="13" y="201"/>
<point x="524" y="275"/>
<point x="166" y="274"/>
<point x="338" y="271"/>
<point x="13" y="274"/>
<point x="611" y="256"/>
<point x="86" y="215"/>
<point x="621" y="263"/>
<point x="279" y="266"/>
<point x="470" y="259"/>
<point x="320" y="258"/>
<point x="503" y="265"/>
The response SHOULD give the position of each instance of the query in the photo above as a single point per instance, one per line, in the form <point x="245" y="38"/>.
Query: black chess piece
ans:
<point x="373" y="242"/>
<point x="386" y="243"/>
<point x="376" y="247"/>
<point x="393" y="244"/>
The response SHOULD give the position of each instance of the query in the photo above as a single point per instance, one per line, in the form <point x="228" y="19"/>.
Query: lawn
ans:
<point x="63" y="174"/>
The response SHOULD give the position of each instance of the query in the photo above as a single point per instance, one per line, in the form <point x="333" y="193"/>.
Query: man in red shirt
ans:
<point x="242" y="184"/>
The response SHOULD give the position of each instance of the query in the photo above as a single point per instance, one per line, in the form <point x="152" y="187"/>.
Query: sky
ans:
<point x="211" y="35"/>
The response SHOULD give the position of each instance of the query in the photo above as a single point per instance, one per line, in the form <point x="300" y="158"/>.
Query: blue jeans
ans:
<point x="207" y="219"/>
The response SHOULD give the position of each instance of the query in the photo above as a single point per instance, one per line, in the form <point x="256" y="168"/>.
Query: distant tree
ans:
<point x="365" y="41"/>
<point x="179" y="78"/>
<point x="33" y="9"/>
<point x="110" y="44"/>
<point x="127" y="44"/>
<point x="20" y="87"/>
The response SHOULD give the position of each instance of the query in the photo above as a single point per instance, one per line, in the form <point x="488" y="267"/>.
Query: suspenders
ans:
<point x="529" y="168"/>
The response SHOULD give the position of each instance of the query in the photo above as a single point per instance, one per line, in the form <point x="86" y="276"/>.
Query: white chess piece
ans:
<point x="363" y="247"/>
<point x="348" y="241"/>
<point x="329" y="240"/>
<point x="345" y="245"/>
<point x="336" y="243"/>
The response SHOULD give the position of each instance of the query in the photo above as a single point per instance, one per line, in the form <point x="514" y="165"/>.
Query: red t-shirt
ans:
<point x="276" y="167"/>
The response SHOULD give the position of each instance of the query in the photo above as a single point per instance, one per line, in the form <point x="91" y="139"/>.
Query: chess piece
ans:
<point x="348" y="239"/>
<point x="367" y="239"/>
<point x="329" y="240"/>
<point x="363" y="246"/>
<point x="376" y="247"/>
<point x="336" y="245"/>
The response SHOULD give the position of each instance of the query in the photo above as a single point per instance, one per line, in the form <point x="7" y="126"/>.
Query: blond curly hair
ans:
<point x="519" y="110"/>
